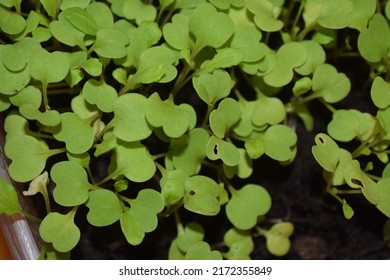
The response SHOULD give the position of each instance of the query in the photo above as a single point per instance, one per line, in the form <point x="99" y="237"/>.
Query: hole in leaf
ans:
<point x="321" y="140"/>
<point x="357" y="182"/>
<point x="216" y="149"/>
<point x="192" y="192"/>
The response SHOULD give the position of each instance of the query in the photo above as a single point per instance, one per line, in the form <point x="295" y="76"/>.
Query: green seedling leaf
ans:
<point x="302" y="86"/>
<point x="121" y="185"/>
<point x="192" y="234"/>
<point x="177" y="32"/>
<point x="246" y="40"/>
<point x="81" y="20"/>
<point x="224" y="117"/>
<point x="82" y="108"/>
<point x="102" y="15"/>
<point x="72" y="186"/>
<point x="41" y="34"/>
<point x="338" y="177"/>
<point x="76" y="143"/>
<point x="173" y="186"/>
<point x="374" y="42"/>
<point x="175" y="120"/>
<point x="240" y="244"/>
<point x="66" y="33"/>
<point x="49" y="67"/>
<point x="224" y="5"/>
<point x="93" y="67"/>
<point x="210" y="27"/>
<point x="32" y="22"/>
<point x="254" y="148"/>
<point x="60" y="230"/>
<point x="48" y="118"/>
<point x="326" y="152"/>
<point x="156" y="65"/>
<point x="384" y="118"/>
<point x="131" y="228"/>
<point x="11" y="22"/>
<point x="65" y="4"/>
<point x="9" y="203"/>
<point x="130" y="120"/>
<point x="110" y="43"/>
<point x="51" y="7"/>
<point x="347" y="210"/>
<point x="28" y="95"/>
<point x="14" y="56"/>
<point x="279" y="142"/>
<point x="224" y="58"/>
<point x="380" y="93"/>
<point x="83" y="159"/>
<point x="28" y="157"/>
<point x="289" y="56"/>
<point x="333" y="14"/>
<point x="348" y="124"/>
<point x="202" y="251"/>
<point x="362" y="12"/>
<point x="190" y="155"/>
<point x="267" y="110"/>
<point x="12" y="82"/>
<point x="246" y="205"/>
<point x="218" y="148"/>
<point x="101" y="94"/>
<point x="145" y="207"/>
<point x="243" y="169"/>
<point x="212" y="87"/>
<point x="277" y="238"/>
<point x="329" y="84"/>
<point x="266" y="14"/>
<point x="104" y="208"/>
<point x="138" y="11"/>
<point x="15" y="125"/>
<point x="384" y="196"/>
<point x="133" y="160"/>
<point x="315" y="57"/>
<point x="202" y="195"/>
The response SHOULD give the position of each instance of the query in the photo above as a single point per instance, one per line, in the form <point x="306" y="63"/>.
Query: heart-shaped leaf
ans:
<point x="362" y="12"/>
<point x="66" y="33"/>
<point x="192" y="234"/>
<point x="49" y="67"/>
<point x="329" y="84"/>
<point x="225" y="58"/>
<point x="212" y="87"/>
<point x="174" y="119"/>
<point x="268" y="110"/>
<point x="133" y="160"/>
<point x="202" y="251"/>
<point x="60" y="230"/>
<point x="72" y="186"/>
<point x="218" y="148"/>
<point x="374" y="42"/>
<point x="265" y="12"/>
<point x="130" y="120"/>
<point x="224" y="117"/>
<point x="28" y="157"/>
<point x="81" y="20"/>
<point x="246" y="205"/>
<point x="326" y="152"/>
<point x="9" y="202"/>
<point x="71" y="123"/>
<point x="190" y="155"/>
<point x="202" y="195"/>
<point x="177" y="33"/>
<point x="104" y="208"/>
<point x="110" y="43"/>
<point x="279" y="141"/>
<point x="139" y="11"/>
<point x="48" y="118"/>
<point x="101" y="94"/>
<point x="131" y="228"/>
<point x="277" y="238"/>
<point x="240" y="244"/>
<point x="28" y="95"/>
<point x="243" y="169"/>
<point x="289" y="56"/>
<point x="210" y="27"/>
<point x="246" y="39"/>
<point x="315" y="57"/>
<point x="145" y="207"/>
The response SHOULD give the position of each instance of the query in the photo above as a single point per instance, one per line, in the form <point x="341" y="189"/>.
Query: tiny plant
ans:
<point x="180" y="98"/>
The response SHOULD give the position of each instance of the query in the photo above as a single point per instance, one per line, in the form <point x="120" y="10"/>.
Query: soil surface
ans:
<point x="297" y="191"/>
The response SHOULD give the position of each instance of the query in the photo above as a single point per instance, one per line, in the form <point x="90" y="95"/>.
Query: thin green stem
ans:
<point x="296" y="19"/>
<point x="179" y="225"/>
<point x="181" y="80"/>
<point x="44" y="94"/>
<point x="306" y="31"/>
<point x="31" y="217"/>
